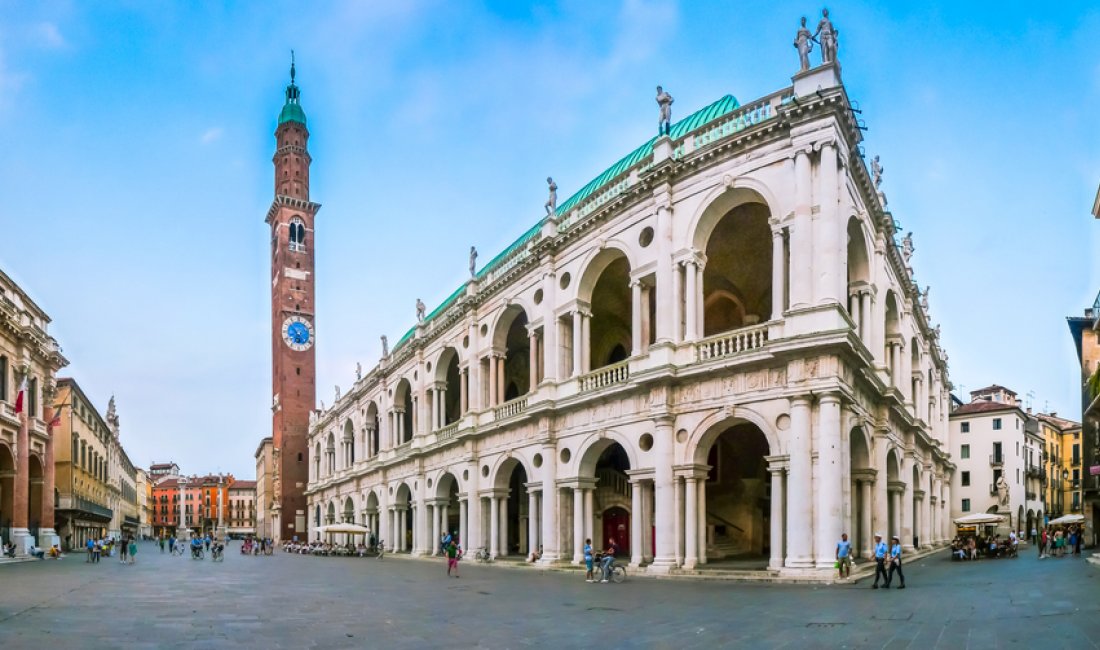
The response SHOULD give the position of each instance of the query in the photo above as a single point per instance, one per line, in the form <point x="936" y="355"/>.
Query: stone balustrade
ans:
<point x="510" y="408"/>
<point x="447" y="432"/>
<point x="734" y="342"/>
<point x="616" y="373"/>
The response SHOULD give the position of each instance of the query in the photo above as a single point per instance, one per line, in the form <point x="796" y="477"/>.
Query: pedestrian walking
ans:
<point x="172" y="544"/>
<point x="89" y="546"/>
<point x="880" y="561"/>
<point x="1040" y="540"/>
<point x="452" y="557"/>
<point x="133" y="550"/>
<point x="1034" y="535"/>
<point x="161" y="543"/>
<point x="895" y="563"/>
<point x="844" y="557"/>
<point x="123" y="550"/>
<point x="1077" y="540"/>
<point x="588" y="560"/>
<point x="97" y="550"/>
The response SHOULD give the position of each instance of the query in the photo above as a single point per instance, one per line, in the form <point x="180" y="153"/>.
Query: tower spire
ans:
<point x="292" y="67"/>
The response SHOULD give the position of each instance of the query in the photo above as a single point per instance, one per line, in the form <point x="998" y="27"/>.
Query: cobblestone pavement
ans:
<point x="305" y="602"/>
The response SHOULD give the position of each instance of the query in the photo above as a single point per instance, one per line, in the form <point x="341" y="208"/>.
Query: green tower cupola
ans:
<point x="292" y="109"/>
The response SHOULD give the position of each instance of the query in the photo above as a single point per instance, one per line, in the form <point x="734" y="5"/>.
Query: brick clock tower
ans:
<point x="293" y="361"/>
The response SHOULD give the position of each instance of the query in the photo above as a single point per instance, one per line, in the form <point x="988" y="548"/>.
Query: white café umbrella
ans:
<point x="1068" y="519"/>
<point x="353" y="529"/>
<point x="980" y="518"/>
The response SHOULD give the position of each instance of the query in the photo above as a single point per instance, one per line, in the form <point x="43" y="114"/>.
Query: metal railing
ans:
<point x="996" y="459"/>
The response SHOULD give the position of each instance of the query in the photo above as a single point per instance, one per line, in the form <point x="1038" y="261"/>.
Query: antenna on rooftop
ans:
<point x="1030" y="398"/>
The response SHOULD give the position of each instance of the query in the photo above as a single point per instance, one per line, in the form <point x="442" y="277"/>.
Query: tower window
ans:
<point x="297" y="235"/>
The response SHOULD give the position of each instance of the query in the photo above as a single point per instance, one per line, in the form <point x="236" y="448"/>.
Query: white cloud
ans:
<point x="213" y="134"/>
<point x="48" y="35"/>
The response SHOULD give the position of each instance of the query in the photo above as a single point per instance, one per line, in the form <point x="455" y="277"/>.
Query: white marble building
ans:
<point x="713" y="350"/>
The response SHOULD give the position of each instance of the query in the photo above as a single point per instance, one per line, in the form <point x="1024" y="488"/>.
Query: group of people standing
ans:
<point x="1057" y="542"/>
<point x="127" y="549"/>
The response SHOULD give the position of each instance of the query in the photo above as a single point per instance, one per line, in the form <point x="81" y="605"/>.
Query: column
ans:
<point x="578" y="525"/>
<point x="551" y="548"/>
<point x="46" y="534"/>
<point x="533" y="359"/>
<point x="677" y="302"/>
<point x="777" y="524"/>
<point x="701" y="488"/>
<point x="647" y="326"/>
<point x="464" y="391"/>
<point x="443" y="519"/>
<point x="801" y="236"/>
<point x="855" y="313"/>
<point x="494" y="527"/>
<point x="21" y="484"/>
<point x="866" y="540"/>
<point x="700" y="320"/>
<point x="578" y="348"/>
<point x="586" y="341"/>
<point x="463" y="522"/>
<point x="691" y="329"/>
<point x="881" y="503"/>
<point x="635" y="317"/>
<point x="590" y="513"/>
<point x="666" y="277"/>
<point x="504" y="526"/>
<point x="532" y="522"/>
<point x="635" y="522"/>
<point x="826" y="268"/>
<point x="664" y="555"/>
<point x="830" y="483"/>
<point x="865" y="320"/>
<point x="551" y="347"/>
<point x="434" y="545"/>
<point x="691" y="525"/>
<point x="500" y="377"/>
<point x="800" y="495"/>
<point x="678" y="519"/>
<point x="779" y="269"/>
<point x="492" y="380"/>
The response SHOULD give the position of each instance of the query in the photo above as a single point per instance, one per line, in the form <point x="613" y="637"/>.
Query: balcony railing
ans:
<point x="510" y="408"/>
<point x="996" y="459"/>
<point x="728" y="344"/>
<point x="616" y="373"/>
<point x="1030" y="496"/>
<point x="447" y="432"/>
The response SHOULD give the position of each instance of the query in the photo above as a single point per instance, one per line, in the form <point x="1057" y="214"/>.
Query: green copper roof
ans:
<point x="699" y="118"/>
<point x="292" y="113"/>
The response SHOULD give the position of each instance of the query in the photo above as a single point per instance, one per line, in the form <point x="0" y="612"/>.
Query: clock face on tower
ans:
<point x="298" y="333"/>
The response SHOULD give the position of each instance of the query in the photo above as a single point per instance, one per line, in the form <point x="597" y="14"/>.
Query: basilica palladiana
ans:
<point x="713" y="352"/>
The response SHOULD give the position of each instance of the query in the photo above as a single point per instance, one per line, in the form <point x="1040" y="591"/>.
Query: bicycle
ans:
<point x="197" y="554"/>
<point x="482" y="555"/>
<point x="217" y="554"/>
<point x="177" y="550"/>
<point x="615" y="573"/>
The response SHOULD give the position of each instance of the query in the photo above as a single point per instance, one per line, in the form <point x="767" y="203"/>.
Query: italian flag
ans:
<point x="20" y="396"/>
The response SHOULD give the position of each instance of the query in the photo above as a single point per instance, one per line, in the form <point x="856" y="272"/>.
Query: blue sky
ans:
<point x="138" y="142"/>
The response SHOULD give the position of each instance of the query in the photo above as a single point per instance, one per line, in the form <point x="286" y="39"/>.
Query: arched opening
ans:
<point x="915" y="376"/>
<point x="296" y="236"/>
<point x="7" y="492"/>
<point x="1030" y="525"/>
<point x="612" y="314"/>
<point x="892" y="350"/>
<point x="612" y="503"/>
<point x="517" y="358"/>
<point x="738" y="493"/>
<point x="447" y="512"/>
<point x="447" y="392"/>
<point x="859" y="277"/>
<point x="915" y="523"/>
<point x="330" y="514"/>
<point x="737" y="278"/>
<point x="349" y="511"/>
<point x="1019" y="519"/>
<point x="317" y="462"/>
<point x="863" y="480"/>
<point x="402" y="520"/>
<point x="371" y="430"/>
<point x="512" y="505"/>
<point x="348" y="444"/>
<point x="403" y="412"/>
<point x="372" y="520"/>
<point x="330" y="454"/>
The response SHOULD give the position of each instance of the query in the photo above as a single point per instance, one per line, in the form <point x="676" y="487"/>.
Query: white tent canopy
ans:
<point x="354" y="529"/>
<point x="1068" y="519"/>
<point x="980" y="518"/>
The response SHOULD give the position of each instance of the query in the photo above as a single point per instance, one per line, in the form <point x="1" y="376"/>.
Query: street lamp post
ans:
<point x="182" y="532"/>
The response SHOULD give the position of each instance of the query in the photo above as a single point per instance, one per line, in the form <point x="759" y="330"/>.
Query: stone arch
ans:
<point x="737" y="485"/>
<point x="607" y="457"/>
<point x="714" y="424"/>
<point x="34" y="490"/>
<point x="509" y="482"/>
<point x="737" y="277"/>
<point x="859" y="248"/>
<point x="503" y="467"/>
<point x="596" y="262"/>
<point x="510" y="338"/>
<point x="446" y="374"/>
<point x="348" y="444"/>
<point x="317" y="460"/>
<point x="722" y="199"/>
<point x="330" y="453"/>
<point x="403" y="411"/>
<point x="591" y="447"/>
<point x="348" y="513"/>
<point x="330" y="513"/>
<point x="403" y="512"/>
<point x="862" y="465"/>
<point x="371" y="430"/>
<point x="447" y="487"/>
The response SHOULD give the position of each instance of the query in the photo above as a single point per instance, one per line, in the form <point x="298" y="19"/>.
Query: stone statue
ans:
<point x="552" y="202"/>
<point x="385" y="346"/>
<point x="924" y="299"/>
<point x="473" y="262"/>
<point x="937" y="334"/>
<point x="1002" y="491"/>
<point x="907" y="248"/>
<point x="876" y="172"/>
<point x="804" y="43"/>
<point x="420" y="309"/>
<point x="337" y="394"/>
<point x="322" y="406"/>
<point x="664" y="101"/>
<point x="828" y="35"/>
<point x="112" y="416"/>
<point x="358" y="371"/>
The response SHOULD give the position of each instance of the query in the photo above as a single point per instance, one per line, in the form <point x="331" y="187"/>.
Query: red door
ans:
<point x="616" y="525"/>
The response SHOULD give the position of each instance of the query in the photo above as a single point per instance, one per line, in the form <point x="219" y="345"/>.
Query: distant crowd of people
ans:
<point x="126" y="547"/>
<point x="1058" y="542"/>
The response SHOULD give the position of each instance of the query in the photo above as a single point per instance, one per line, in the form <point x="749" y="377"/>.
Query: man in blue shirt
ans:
<point x="880" y="561"/>
<point x="895" y="563"/>
<point x="844" y="557"/>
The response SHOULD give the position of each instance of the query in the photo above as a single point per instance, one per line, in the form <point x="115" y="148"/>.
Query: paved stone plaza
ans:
<point x="166" y="601"/>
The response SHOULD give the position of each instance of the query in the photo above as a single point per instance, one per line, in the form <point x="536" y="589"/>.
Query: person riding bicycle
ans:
<point x="196" y="547"/>
<point x="608" y="558"/>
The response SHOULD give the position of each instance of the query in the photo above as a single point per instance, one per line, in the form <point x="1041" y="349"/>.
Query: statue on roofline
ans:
<point x="804" y="43"/>
<point x="552" y="201"/>
<point x="907" y="248"/>
<point x="420" y="310"/>
<point x="828" y="35"/>
<point x="358" y="371"/>
<point x="664" y="102"/>
<point x="385" y="346"/>
<point x="473" y="262"/>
